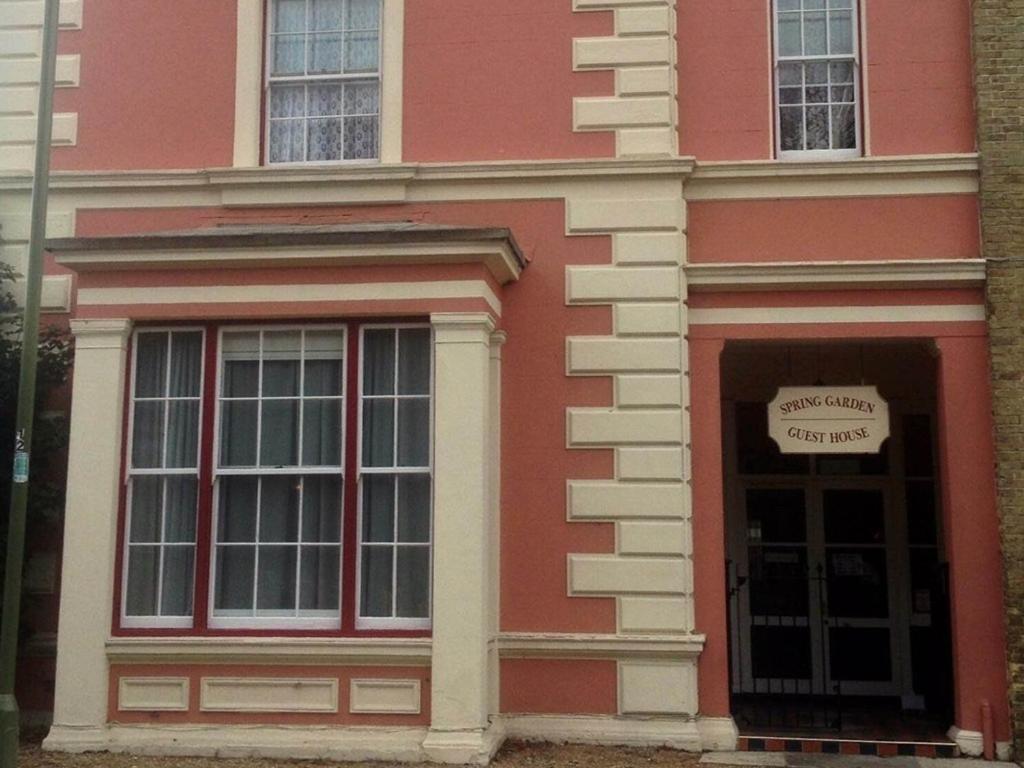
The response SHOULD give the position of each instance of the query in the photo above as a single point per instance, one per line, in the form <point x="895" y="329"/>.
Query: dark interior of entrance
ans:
<point x="839" y="610"/>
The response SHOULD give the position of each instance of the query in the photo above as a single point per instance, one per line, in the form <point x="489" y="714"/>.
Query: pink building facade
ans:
<point x="423" y="355"/>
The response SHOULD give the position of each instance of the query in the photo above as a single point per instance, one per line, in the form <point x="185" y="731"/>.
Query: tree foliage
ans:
<point x="49" y="440"/>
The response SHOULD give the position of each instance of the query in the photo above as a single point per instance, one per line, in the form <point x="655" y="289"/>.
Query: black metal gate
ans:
<point x="784" y="649"/>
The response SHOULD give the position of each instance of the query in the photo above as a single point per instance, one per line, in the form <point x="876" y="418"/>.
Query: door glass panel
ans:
<point x="780" y="652"/>
<point x="777" y="552"/>
<point x="854" y="517"/>
<point x="858" y="585"/>
<point x="857" y="653"/>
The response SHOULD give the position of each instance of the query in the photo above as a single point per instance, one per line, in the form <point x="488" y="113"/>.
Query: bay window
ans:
<point x="323" y="80"/>
<point x="289" y="499"/>
<point x="817" y="78"/>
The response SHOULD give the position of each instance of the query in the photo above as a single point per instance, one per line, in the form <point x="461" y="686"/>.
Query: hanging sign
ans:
<point x="828" y="420"/>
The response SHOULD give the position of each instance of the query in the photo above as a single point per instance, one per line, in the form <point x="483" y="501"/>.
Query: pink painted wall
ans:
<point x="558" y="686"/>
<point x="157" y="86"/>
<point x="854" y="229"/>
<point x="536" y="463"/>
<point x="725" y="80"/>
<point x="919" y="76"/>
<point x="493" y="80"/>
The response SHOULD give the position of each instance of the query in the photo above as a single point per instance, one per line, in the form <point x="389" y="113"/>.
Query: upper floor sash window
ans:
<point x="323" y="81"/>
<point x="817" y="78"/>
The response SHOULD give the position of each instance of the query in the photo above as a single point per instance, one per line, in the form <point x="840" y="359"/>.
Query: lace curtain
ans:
<point x="324" y="83"/>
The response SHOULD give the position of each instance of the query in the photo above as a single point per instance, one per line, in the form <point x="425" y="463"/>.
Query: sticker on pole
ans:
<point x="20" y="458"/>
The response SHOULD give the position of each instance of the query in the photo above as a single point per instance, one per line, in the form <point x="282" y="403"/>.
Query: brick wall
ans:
<point x="999" y="75"/>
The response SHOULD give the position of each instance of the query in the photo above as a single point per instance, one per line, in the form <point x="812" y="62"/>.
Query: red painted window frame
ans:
<point x="204" y="523"/>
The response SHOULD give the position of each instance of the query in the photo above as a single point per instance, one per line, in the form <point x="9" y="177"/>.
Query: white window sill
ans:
<point x="818" y="155"/>
<point x="412" y="651"/>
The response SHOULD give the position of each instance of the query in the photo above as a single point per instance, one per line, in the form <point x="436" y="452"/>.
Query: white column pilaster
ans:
<point x="90" y="532"/>
<point x="463" y="510"/>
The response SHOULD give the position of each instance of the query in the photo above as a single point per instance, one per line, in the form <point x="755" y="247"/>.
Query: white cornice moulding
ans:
<point x="944" y="273"/>
<point x="404" y="182"/>
<point x="524" y="645"/>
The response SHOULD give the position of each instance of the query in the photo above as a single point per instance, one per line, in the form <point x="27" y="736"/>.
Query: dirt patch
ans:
<point x="512" y="755"/>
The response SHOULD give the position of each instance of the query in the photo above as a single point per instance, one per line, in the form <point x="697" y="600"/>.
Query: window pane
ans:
<point x="325" y="14"/>
<point x="176" y="597"/>
<point x="361" y="51"/>
<point x="236" y="517"/>
<point x="281" y="378"/>
<point x="379" y="362"/>
<point x="363" y="14"/>
<point x="323" y="377"/>
<point x="147" y="500"/>
<point x="840" y="30"/>
<point x="324" y="53"/>
<point x="378" y="433"/>
<point x="241" y="378"/>
<point x="288" y="101"/>
<point x="414" y="508"/>
<point x="148" y="434"/>
<point x="186" y="364"/>
<point x="151" y="365"/>
<point x="360" y="134"/>
<point x="320" y="574"/>
<point x="280" y="433"/>
<point x="325" y="100"/>
<point x="414" y="361"/>
<point x="791" y="74"/>
<point x="287" y="141"/>
<point x="233" y="589"/>
<point x="791" y="95"/>
<point x="792" y="128"/>
<point x="276" y="587"/>
<point x="817" y="128"/>
<point x="414" y="433"/>
<point x="180" y="510"/>
<point x="321" y="433"/>
<point x="279" y="509"/>
<point x="376" y="582"/>
<point x="324" y="139"/>
<point x="238" y="434"/>
<point x="290" y="15"/>
<point x="816" y="73"/>
<point x="789" y="34"/>
<point x="183" y="433"/>
<point x="841" y="72"/>
<point x="844" y="127"/>
<point x="413" y="573"/>
<point x="817" y="94"/>
<point x="363" y="99"/>
<point x="143" y="578"/>
<point x="789" y="5"/>
<point x="378" y="508"/>
<point x="289" y="52"/>
<point x="321" y="509"/>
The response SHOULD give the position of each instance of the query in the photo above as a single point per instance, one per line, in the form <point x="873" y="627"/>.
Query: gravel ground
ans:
<point x="512" y="755"/>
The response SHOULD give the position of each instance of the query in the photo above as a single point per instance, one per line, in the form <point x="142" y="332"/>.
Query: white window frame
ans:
<point x="854" y="58"/>
<point x="249" y="83"/>
<point x="160" y="622"/>
<point x="377" y="622"/>
<point x="308" y="620"/>
<point x="306" y="80"/>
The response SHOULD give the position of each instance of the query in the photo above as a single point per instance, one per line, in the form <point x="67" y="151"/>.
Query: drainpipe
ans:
<point x="988" y="738"/>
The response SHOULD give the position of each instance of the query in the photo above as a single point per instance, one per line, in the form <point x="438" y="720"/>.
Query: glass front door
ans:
<point x="814" y="591"/>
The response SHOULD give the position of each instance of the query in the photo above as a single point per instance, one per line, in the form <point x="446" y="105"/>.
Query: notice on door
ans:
<point x="828" y="420"/>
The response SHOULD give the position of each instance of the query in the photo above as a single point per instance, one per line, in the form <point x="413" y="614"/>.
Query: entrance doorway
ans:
<point x="838" y="611"/>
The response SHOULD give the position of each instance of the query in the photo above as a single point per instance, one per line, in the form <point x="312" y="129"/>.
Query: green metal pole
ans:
<point x="26" y="396"/>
